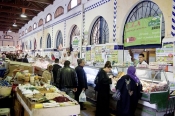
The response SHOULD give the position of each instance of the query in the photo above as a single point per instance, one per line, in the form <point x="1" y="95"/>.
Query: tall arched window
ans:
<point x="22" y="33"/>
<point x="59" y="40"/>
<point x="48" y="17"/>
<point x="30" y="44"/>
<point x="49" y="41"/>
<point x="73" y="3"/>
<point x="145" y="9"/>
<point x="34" y="26"/>
<point x="75" y="32"/>
<point x="35" y="44"/>
<point x="41" y="43"/>
<point x="59" y="11"/>
<point x="99" y="32"/>
<point x="40" y="22"/>
<point x="26" y="31"/>
<point x="30" y="29"/>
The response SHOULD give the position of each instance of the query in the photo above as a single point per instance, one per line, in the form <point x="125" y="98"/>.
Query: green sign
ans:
<point x="75" y="41"/>
<point x="143" y="32"/>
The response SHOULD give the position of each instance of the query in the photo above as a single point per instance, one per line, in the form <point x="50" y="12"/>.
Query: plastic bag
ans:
<point x="82" y="97"/>
<point x="112" y="86"/>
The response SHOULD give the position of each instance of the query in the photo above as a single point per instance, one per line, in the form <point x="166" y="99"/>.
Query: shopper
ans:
<point x="103" y="82"/>
<point x="67" y="77"/>
<point x="25" y="60"/>
<point x="48" y="75"/>
<point x="82" y="81"/>
<point x="56" y="67"/>
<point x="129" y="87"/>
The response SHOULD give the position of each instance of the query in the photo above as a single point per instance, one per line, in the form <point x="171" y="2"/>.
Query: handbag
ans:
<point x="116" y="95"/>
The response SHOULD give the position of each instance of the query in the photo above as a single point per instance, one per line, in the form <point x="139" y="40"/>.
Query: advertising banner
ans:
<point x="145" y="31"/>
<point x="111" y="54"/>
<point x="165" y="54"/>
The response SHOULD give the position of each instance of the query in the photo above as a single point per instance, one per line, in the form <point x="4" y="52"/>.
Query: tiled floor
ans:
<point x="90" y="110"/>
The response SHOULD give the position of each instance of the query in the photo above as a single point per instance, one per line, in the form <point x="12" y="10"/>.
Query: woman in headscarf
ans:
<point x="129" y="87"/>
<point x="103" y="82"/>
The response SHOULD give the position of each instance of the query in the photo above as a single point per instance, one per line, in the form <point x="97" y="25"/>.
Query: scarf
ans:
<point x="131" y="72"/>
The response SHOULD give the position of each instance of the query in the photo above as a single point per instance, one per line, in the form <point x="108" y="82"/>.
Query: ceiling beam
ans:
<point x="11" y="21"/>
<point x="15" y="17"/>
<point x="21" y="6"/>
<point x="17" y="21"/>
<point x="17" y="12"/>
<point x="42" y="1"/>
<point x="10" y="24"/>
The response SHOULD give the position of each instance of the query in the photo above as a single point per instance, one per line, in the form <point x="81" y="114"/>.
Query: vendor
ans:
<point x="69" y="57"/>
<point x="142" y="64"/>
<point x="47" y="74"/>
<point x="142" y="61"/>
<point x="63" y="58"/>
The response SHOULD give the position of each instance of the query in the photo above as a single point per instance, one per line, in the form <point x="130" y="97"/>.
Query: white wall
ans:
<point x="96" y="8"/>
<point x="10" y="42"/>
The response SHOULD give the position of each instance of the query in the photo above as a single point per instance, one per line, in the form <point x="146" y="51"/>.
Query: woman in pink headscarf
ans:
<point x="129" y="87"/>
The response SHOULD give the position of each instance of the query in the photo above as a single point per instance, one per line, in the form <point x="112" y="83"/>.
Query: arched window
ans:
<point x="48" y="17"/>
<point x="35" y="44"/>
<point x="59" y="40"/>
<point x="59" y="11"/>
<point x="30" y="29"/>
<point x="75" y="32"/>
<point x="73" y="3"/>
<point x="40" y="22"/>
<point x="99" y="32"/>
<point x="34" y="26"/>
<point x="26" y="31"/>
<point x="30" y="44"/>
<point x="145" y="9"/>
<point x="48" y="41"/>
<point x="41" y="43"/>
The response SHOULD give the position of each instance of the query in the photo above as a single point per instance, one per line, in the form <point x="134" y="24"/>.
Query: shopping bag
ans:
<point x="82" y="97"/>
<point x="112" y="86"/>
<point x="116" y="95"/>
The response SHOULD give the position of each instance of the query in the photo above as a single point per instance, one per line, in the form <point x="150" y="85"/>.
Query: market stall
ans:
<point x="63" y="104"/>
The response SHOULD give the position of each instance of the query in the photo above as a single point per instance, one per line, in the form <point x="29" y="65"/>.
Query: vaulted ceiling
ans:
<point x="10" y="11"/>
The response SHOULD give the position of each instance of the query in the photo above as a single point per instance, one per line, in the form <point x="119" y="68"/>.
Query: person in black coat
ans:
<point x="130" y="89"/>
<point x="25" y="60"/>
<point x="103" y="82"/>
<point x="82" y="81"/>
<point x="56" y="67"/>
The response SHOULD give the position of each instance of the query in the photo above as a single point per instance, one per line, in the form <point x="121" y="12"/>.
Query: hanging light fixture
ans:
<point x="14" y="25"/>
<point x="23" y="13"/>
<point x="9" y="30"/>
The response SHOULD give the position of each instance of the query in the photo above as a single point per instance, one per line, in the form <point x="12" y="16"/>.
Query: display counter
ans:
<point x="154" y="101"/>
<point x="34" y="109"/>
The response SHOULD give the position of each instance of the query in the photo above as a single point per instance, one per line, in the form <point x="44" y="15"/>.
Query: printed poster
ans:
<point x="111" y="54"/>
<point x="165" y="54"/>
<point x="88" y="53"/>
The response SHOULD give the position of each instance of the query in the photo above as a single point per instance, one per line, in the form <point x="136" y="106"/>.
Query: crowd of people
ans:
<point x="74" y="81"/>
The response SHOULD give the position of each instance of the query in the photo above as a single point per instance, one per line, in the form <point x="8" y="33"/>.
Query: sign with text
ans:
<point x="145" y="31"/>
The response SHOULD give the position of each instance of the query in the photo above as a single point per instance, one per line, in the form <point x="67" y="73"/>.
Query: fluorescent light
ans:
<point x="23" y="15"/>
<point x="9" y="30"/>
<point x="14" y="25"/>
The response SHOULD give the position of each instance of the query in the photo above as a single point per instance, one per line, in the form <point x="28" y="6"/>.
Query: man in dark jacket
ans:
<point x="67" y="79"/>
<point x="56" y="67"/>
<point x="82" y="81"/>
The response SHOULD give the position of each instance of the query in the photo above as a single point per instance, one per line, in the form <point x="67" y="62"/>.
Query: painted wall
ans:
<point x="10" y="42"/>
<point x="85" y="20"/>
